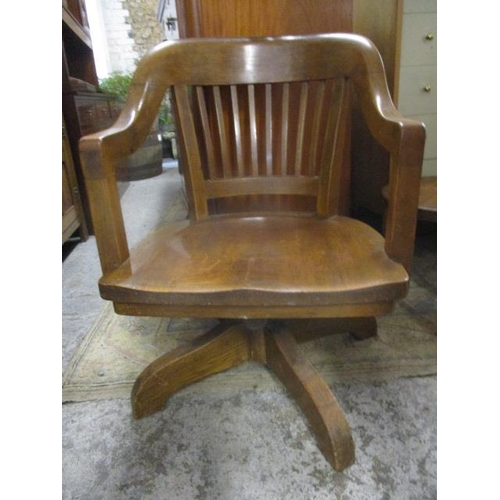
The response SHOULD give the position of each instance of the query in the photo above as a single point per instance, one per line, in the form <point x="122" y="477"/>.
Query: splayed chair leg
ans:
<point x="221" y="348"/>
<point x="230" y="344"/>
<point x="314" y="397"/>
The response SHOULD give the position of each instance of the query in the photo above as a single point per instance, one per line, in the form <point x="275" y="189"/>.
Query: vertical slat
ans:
<point x="284" y="127"/>
<point x="268" y="129"/>
<point x="329" y="198"/>
<point x="318" y="109"/>
<point x="301" y="125"/>
<point x="195" y="183"/>
<point x="224" y="143"/>
<point x="253" y="131"/>
<point x="237" y="131"/>
<point x="202" y="107"/>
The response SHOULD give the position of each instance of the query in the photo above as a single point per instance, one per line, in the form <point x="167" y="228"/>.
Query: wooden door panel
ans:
<point x="215" y="18"/>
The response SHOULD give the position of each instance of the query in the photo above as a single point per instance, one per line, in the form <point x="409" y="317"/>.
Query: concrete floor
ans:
<point x="237" y="446"/>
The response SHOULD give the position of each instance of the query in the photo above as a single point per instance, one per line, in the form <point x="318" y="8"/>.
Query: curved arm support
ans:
<point x="131" y="128"/>
<point x="405" y="140"/>
<point x="105" y="208"/>
<point x="100" y="153"/>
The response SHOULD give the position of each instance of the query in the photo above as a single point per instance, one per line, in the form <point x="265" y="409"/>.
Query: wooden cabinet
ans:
<point x="78" y="72"/>
<point x="262" y="18"/>
<point x="78" y="56"/>
<point x="77" y="66"/>
<point x="418" y="74"/>
<point x="73" y="218"/>
<point x="93" y="112"/>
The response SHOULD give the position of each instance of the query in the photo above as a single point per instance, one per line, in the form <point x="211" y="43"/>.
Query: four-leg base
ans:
<point x="275" y="345"/>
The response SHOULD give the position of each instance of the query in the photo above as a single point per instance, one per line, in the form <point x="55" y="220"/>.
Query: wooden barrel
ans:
<point x="145" y="162"/>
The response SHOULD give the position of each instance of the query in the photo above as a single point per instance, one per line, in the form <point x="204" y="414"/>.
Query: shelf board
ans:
<point x="75" y="27"/>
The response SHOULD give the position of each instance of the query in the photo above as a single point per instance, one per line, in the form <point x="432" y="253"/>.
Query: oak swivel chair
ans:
<point x="268" y="248"/>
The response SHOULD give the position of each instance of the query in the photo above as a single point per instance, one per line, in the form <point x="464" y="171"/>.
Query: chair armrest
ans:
<point x="100" y="153"/>
<point x="105" y="207"/>
<point x="405" y="140"/>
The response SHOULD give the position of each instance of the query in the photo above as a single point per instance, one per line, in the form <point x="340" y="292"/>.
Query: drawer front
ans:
<point x="87" y="115"/>
<point x="103" y="114"/>
<point x="418" y="44"/>
<point x="115" y="107"/>
<point x="418" y="91"/>
<point x="94" y="114"/>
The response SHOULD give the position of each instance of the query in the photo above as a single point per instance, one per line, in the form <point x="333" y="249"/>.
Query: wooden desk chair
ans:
<point x="260" y="120"/>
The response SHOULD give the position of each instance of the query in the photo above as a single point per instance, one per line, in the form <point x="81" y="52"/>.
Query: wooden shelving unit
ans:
<point x="77" y="62"/>
<point x="87" y="110"/>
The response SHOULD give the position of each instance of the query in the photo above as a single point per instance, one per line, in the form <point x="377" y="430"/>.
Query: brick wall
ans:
<point x="146" y="28"/>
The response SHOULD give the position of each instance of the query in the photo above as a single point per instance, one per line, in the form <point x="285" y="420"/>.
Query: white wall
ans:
<point x="110" y="29"/>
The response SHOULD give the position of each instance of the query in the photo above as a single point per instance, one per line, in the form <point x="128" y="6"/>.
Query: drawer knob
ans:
<point x="429" y="36"/>
<point x="427" y="88"/>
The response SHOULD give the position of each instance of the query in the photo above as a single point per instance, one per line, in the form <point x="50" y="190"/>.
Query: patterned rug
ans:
<point x="118" y="348"/>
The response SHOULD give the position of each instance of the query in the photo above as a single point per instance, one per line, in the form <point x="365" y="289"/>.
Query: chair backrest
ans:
<point x="262" y="122"/>
<point x="265" y="146"/>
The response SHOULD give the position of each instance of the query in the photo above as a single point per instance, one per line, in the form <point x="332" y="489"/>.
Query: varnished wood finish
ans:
<point x="246" y="311"/>
<point x="278" y="261"/>
<point x="383" y="27"/>
<point x="304" y="330"/>
<point x="248" y="62"/>
<point x="217" y="350"/>
<point x="219" y="18"/>
<point x="371" y="162"/>
<point x="228" y="345"/>
<point x="270" y="265"/>
<point x="257" y="134"/>
<point x="427" y="200"/>
<point x="381" y="24"/>
<point x="248" y="18"/>
<point x="222" y="188"/>
<point x="313" y="396"/>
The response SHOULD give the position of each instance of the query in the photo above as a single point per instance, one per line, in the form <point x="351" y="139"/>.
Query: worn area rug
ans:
<point x="118" y="348"/>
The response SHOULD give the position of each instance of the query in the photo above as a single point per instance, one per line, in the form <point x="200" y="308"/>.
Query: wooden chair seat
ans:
<point x="254" y="261"/>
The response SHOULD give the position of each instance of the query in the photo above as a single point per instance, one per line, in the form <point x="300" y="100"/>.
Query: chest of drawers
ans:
<point x="418" y="73"/>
